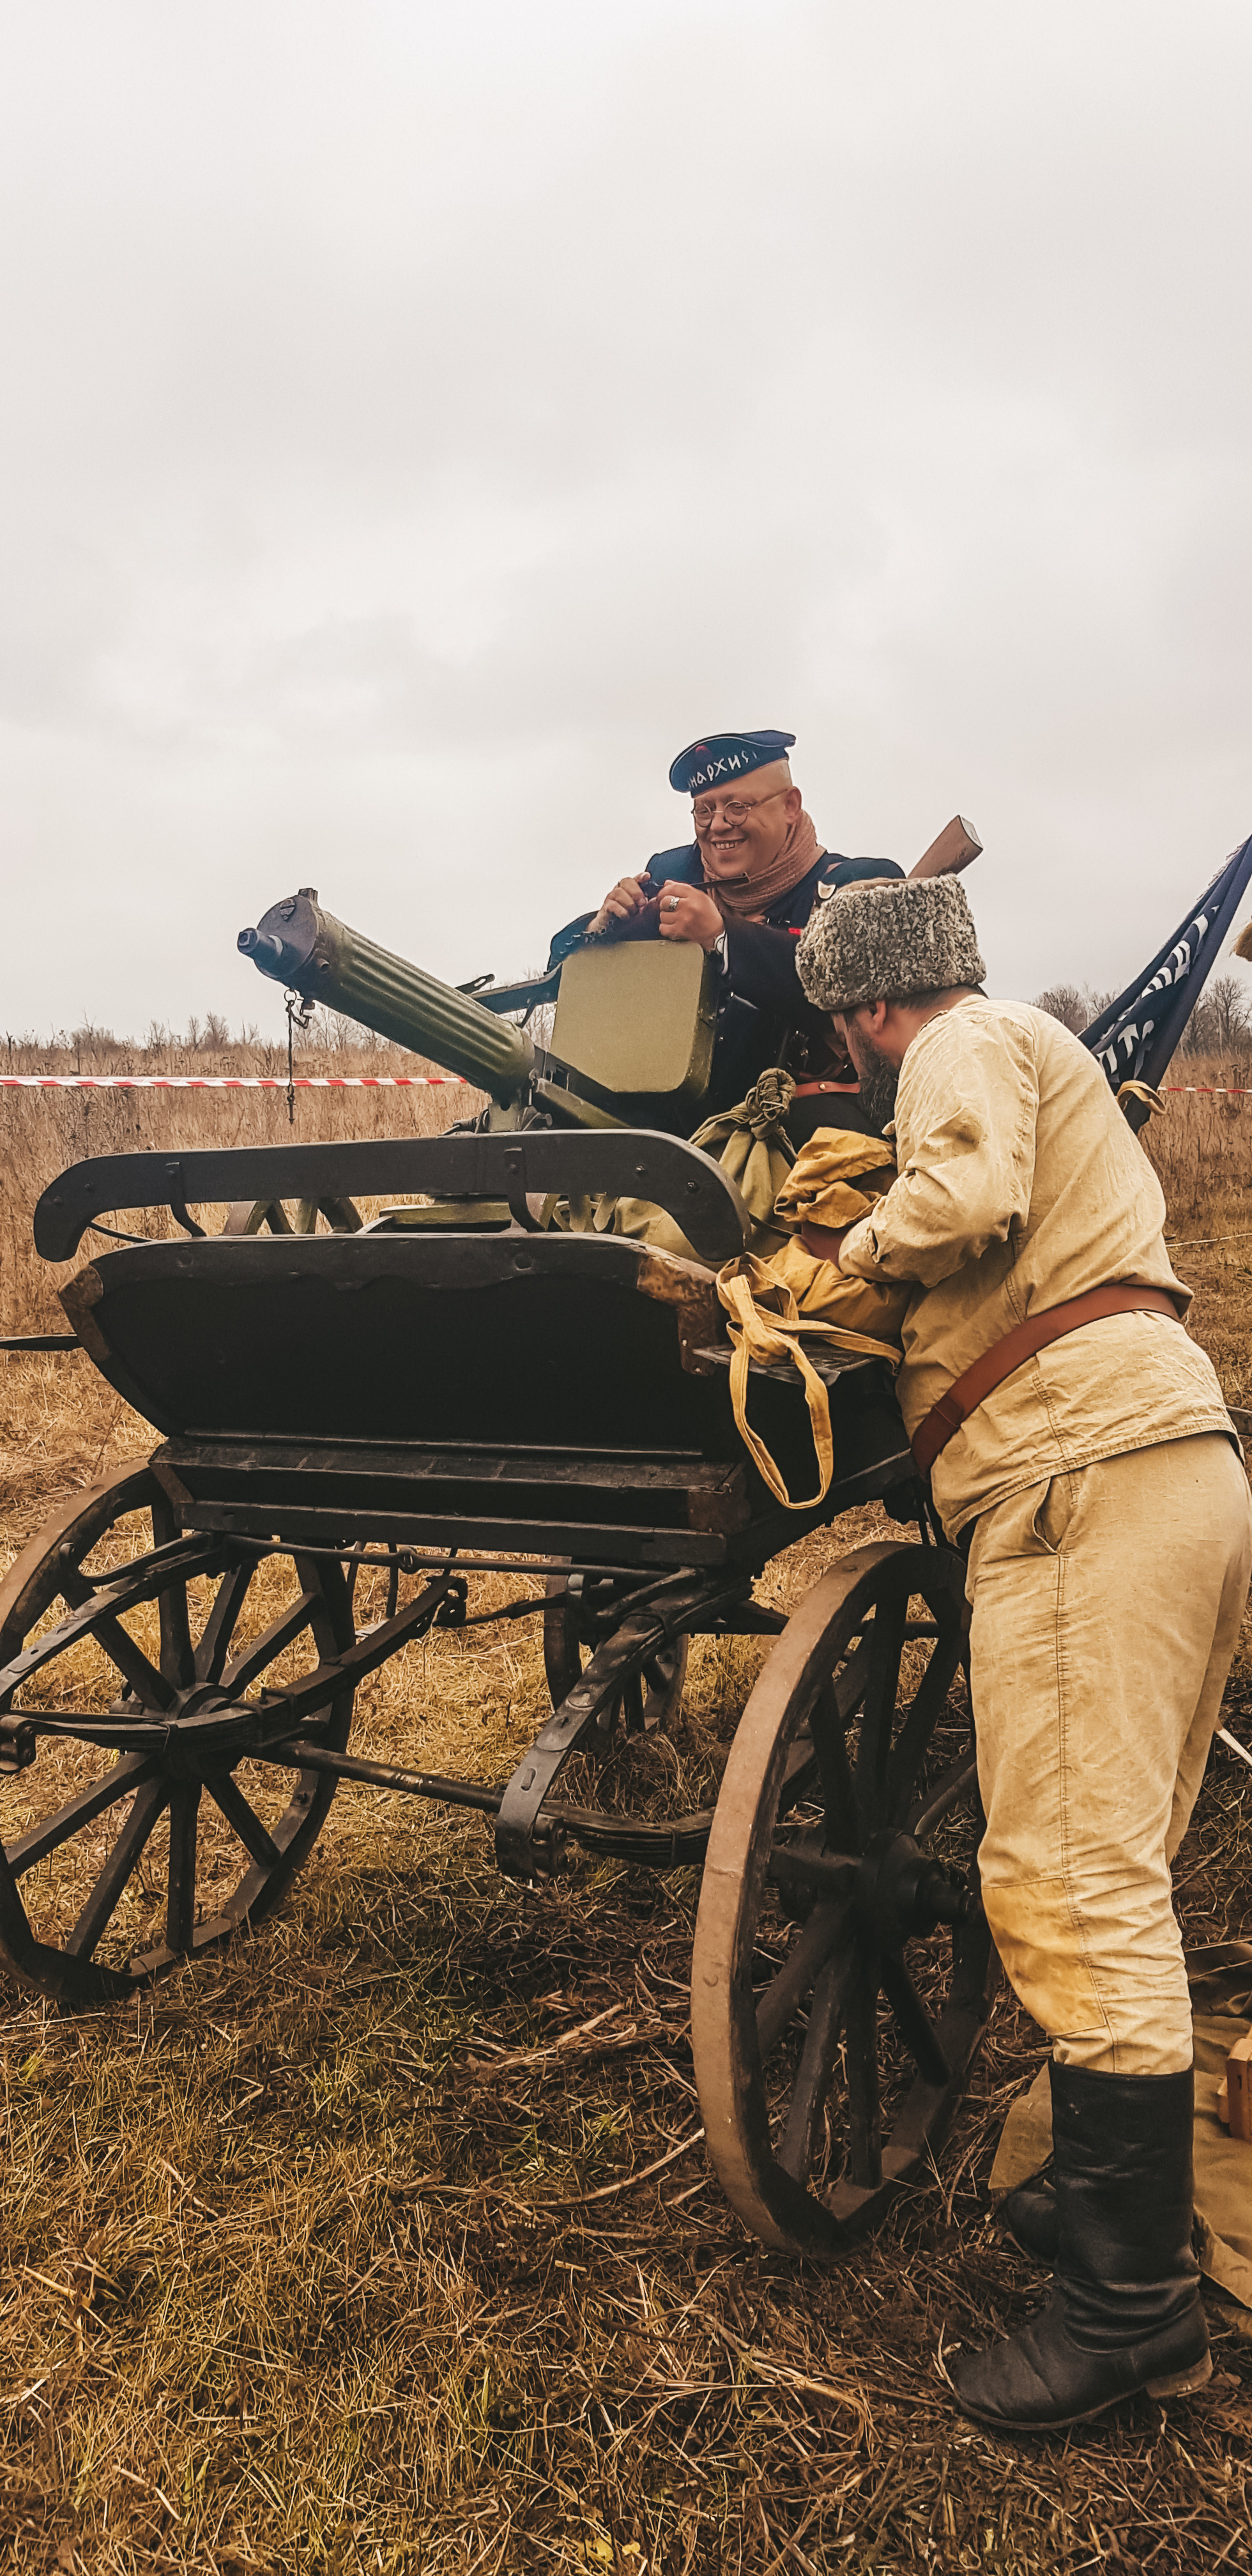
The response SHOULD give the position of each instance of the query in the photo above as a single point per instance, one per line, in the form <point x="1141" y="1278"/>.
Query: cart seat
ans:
<point x="520" y="1389"/>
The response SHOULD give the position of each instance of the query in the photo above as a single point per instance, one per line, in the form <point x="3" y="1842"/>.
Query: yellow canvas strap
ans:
<point x="767" y="1336"/>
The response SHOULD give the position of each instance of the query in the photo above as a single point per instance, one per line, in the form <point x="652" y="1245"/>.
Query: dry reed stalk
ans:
<point x="41" y="1133"/>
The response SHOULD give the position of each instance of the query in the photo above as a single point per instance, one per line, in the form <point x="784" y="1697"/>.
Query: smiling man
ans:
<point x="743" y="890"/>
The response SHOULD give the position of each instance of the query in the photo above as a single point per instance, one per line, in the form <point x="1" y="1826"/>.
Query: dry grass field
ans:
<point x="383" y="2240"/>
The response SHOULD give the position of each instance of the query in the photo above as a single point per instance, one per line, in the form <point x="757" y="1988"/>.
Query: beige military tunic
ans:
<point x="1110" y="1557"/>
<point x="1020" y="1186"/>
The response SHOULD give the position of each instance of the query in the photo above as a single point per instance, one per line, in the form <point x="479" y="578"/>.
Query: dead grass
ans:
<point x="42" y="1133"/>
<point x="302" y="2269"/>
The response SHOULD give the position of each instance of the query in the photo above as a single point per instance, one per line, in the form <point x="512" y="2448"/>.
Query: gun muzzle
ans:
<point x="306" y="949"/>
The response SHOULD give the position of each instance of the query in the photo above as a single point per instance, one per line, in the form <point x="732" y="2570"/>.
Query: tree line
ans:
<point x="1220" y="1024"/>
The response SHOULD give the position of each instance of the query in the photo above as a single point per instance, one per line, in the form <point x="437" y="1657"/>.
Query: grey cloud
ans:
<point x="424" y="419"/>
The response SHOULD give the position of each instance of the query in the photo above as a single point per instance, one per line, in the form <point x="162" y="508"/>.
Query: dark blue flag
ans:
<point x="1137" y="1034"/>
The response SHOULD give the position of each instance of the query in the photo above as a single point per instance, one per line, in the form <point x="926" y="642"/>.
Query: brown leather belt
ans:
<point x="805" y="1090"/>
<point x="988" y="1372"/>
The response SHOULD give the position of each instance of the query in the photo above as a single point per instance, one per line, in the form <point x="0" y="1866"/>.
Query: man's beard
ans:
<point x="879" y="1080"/>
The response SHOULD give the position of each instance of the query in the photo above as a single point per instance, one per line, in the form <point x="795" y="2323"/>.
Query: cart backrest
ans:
<point x="513" y="1165"/>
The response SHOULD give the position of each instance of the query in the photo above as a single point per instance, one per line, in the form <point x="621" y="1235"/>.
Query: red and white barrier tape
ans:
<point x="372" y="1082"/>
<point x="229" y="1081"/>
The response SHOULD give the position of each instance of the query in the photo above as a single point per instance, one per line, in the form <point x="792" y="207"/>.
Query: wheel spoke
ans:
<point x="265" y="1649"/>
<point x="877" y="1710"/>
<point x="178" y="1663"/>
<point x="219" y="1627"/>
<point x="827" y="1925"/>
<point x="801" y="1774"/>
<point x="326" y="1585"/>
<point x="916" y="2028"/>
<point x="226" y="1793"/>
<point x="843" y="1829"/>
<point x="119" y="1867"/>
<point x="861" y="2054"/>
<point x="920" y="1720"/>
<point x="149" y="1686"/>
<point x="127" y="1775"/>
<point x="180" y="1911"/>
<point x="817" y="2060"/>
<point x="934" y="1804"/>
<point x="854" y="1675"/>
<point x="632" y="1704"/>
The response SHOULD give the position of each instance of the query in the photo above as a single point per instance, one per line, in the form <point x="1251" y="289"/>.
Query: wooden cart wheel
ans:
<point x="115" y="1866"/>
<point x="815" y="2110"/>
<point x="647" y="1702"/>
<point x="271" y="1216"/>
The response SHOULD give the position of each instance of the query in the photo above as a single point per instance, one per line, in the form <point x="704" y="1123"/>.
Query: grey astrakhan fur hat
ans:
<point x="884" y="943"/>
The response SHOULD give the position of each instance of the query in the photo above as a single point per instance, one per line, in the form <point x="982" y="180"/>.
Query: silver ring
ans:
<point x="671" y="903"/>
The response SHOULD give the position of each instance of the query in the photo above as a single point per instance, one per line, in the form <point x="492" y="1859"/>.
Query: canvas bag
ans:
<point x="773" y="1302"/>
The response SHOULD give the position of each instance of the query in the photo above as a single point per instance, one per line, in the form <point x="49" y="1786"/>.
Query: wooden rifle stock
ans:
<point x="957" y="844"/>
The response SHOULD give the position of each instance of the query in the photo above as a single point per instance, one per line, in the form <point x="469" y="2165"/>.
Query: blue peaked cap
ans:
<point x="724" y="756"/>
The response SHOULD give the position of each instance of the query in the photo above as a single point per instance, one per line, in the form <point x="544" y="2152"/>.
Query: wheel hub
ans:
<point x="895" y="1888"/>
<point x="205" y="1719"/>
<point x="902" y="1893"/>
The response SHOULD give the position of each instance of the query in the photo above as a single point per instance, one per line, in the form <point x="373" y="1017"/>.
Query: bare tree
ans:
<point x="1221" y="1023"/>
<point x="1076" y="1006"/>
<point x="1064" y="1002"/>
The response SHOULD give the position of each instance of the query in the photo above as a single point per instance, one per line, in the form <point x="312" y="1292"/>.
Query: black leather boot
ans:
<point x="1125" y="2311"/>
<point x="1029" y="2216"/>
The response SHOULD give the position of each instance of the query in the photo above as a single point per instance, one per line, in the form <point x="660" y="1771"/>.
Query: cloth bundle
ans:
<point x="775" y="1303"/>
<point x="778" y="1292"/>
<point x="821" y="1187"/>
<point x="755" y="1152"/>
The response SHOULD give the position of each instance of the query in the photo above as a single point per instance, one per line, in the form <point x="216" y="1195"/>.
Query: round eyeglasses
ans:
<point x="731" y="809"/>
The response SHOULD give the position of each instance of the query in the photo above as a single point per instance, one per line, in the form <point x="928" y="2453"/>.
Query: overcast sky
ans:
<point x="420" y="421"/>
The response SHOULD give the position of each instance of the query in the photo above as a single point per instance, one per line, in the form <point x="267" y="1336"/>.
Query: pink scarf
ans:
<point x="745" y="898"/>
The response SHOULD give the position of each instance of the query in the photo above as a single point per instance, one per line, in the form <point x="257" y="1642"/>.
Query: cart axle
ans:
<point x="895" y="1888"/>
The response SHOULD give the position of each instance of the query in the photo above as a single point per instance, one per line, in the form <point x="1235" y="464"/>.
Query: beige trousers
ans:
<point x="1106" y="1609"/>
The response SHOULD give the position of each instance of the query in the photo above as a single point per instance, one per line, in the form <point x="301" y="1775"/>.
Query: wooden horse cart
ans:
<point x="441" y="1401"/>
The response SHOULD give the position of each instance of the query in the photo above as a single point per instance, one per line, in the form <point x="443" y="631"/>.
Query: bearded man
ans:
<point x="743" y="890"/>
<point x="1082" y="1452"/>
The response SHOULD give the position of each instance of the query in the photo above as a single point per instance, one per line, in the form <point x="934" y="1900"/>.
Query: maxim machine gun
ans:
<point x="635" y="1038"/>
<point x="632" y="1038"/>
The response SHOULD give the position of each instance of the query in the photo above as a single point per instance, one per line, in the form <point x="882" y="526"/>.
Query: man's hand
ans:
<point x="688" y="913"/>
<point x="628" y="895"/>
